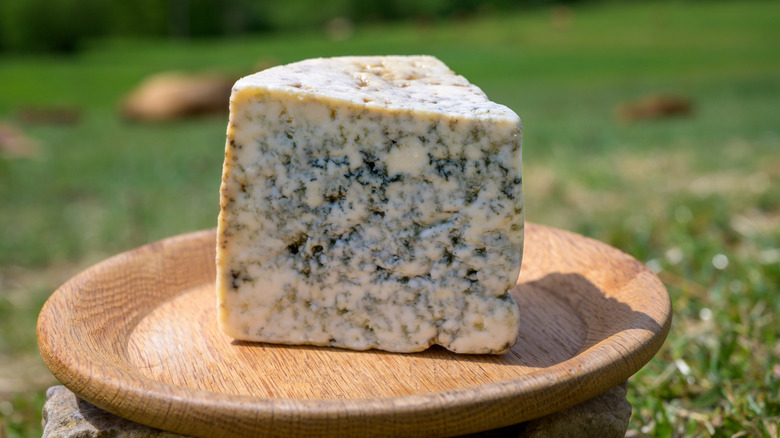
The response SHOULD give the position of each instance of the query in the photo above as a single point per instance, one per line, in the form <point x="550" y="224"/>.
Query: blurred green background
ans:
<point x="651" y="126"/>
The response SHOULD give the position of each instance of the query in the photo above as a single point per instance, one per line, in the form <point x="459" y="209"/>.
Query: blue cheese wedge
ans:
<point x="370" y="202"/>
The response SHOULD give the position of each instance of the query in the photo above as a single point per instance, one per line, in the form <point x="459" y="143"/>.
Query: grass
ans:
<point x="696" y="198"/>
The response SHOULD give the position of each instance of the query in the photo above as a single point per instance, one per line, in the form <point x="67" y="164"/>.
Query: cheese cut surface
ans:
<point x="370" y="202"/>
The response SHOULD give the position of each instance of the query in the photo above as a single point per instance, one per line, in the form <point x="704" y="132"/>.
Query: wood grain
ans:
<point x="137" y="335"/>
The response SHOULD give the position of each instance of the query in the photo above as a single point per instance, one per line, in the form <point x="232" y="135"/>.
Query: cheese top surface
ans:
<point x="391" y="223"/>
<point x="412" y="83"/>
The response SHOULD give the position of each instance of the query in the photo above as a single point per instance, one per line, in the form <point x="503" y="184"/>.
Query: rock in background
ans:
<point x="653" y="107"/>
<point x="173" y="96"/>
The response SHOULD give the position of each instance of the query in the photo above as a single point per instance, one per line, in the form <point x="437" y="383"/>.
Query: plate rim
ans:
<point x="114" y="395"/>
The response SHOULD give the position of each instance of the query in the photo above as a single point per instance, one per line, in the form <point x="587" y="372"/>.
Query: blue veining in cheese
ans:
<point x="370" y="202"/>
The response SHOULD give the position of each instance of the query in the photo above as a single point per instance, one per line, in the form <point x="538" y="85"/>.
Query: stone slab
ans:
<point x="605" y="416"/>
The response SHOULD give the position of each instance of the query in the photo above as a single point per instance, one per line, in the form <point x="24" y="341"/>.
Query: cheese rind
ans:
<point x="370" y="202"/>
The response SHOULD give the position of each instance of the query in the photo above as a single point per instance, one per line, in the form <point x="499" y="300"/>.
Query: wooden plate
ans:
<point x="136" y="335"/>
